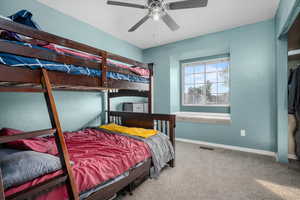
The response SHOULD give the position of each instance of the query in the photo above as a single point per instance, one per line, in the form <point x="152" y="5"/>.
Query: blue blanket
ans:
<point x="34" y="63"/>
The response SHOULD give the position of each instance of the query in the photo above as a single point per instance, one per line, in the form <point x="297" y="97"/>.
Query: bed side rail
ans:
<point x="163" y="122"/>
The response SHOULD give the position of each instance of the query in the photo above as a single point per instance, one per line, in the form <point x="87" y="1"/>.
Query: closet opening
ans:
<point x="294" y="90"/>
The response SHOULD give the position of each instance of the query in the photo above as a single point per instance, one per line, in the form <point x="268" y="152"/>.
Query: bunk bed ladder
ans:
<point x="66" y="177"/>
<point x="60" y="141"/>
<point x="2" y="196"/>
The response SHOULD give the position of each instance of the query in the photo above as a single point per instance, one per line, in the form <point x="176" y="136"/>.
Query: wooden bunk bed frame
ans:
<point x="60" y="80"/>
<point x="13" y="79"/>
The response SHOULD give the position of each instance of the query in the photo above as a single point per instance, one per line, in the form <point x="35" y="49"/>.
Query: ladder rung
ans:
<point x="21" y="89"/>
<point x="5" y="139"/>
<point x="38" y="189"/>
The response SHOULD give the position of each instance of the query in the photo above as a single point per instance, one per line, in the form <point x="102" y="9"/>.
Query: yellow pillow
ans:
<point x="141" y="132"/>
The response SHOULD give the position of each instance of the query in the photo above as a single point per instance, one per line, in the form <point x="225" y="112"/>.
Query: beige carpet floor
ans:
<point x="222" y="175"/>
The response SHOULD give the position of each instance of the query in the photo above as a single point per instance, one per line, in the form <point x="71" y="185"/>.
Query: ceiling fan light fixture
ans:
<point x="156" y="13"/>
<point x="156" y="16"/>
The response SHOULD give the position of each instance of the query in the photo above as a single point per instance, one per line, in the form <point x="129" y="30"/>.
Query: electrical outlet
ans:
<point x="243" y="132"/>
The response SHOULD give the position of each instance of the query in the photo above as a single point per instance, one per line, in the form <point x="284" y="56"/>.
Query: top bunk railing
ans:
<point x="48" y="55"/>
<point x="51" y="38"/>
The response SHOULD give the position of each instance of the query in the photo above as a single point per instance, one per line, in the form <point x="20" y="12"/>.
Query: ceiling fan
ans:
<point x="157" y="9"/>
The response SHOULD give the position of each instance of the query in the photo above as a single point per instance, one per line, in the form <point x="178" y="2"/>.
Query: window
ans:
<point x="206" y="83"/>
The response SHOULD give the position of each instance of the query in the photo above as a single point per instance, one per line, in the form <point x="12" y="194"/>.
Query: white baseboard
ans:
<point x="235" y="148"/>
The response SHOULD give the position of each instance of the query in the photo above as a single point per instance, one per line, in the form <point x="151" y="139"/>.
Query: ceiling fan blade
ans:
<point x="143" y="20"/>
<point x="170" y="22"/>
<point x="132" y="5"/>
<point x="186" y="4"/>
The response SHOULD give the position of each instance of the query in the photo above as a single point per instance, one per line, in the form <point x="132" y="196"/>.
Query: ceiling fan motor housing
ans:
<point x="154" y="1"/>
<point x="156" y="9"/>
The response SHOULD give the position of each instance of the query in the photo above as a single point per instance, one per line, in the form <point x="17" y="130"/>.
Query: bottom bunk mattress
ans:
<point x="97" y="157"/>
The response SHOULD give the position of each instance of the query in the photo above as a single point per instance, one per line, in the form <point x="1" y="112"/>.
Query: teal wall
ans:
<point x="252" y="74"/>
<point x="26" y="111"/>
<point x="76" y="109"/>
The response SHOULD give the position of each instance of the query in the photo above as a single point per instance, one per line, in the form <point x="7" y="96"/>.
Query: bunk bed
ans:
<point x="106" y="76"/>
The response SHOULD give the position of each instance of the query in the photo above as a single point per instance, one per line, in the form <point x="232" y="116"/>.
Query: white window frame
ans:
<point x="216" y="60"/>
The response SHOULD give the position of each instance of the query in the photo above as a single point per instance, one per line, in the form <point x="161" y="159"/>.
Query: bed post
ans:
<point x="172" y="136"/>
<point x="150" y="67"/>
<point x="103" y="83"/>
<point x="108" y="106"/>
<point x="59" y="137"/>
<point x="103" y="67"/>
<point x="2" y="195"/>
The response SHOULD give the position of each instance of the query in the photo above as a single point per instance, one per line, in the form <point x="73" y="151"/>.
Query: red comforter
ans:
<point x="98" y="157"/>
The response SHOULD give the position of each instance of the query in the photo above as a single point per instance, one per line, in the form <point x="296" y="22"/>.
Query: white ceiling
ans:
<point x="219" y="15"/>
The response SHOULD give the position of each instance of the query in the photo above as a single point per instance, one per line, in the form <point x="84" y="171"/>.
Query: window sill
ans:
<point x="207" y="105"/>
<point x="203" y="117"/>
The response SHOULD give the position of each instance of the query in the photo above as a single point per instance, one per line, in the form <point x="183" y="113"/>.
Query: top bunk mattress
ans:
<point x="34" y="63"/>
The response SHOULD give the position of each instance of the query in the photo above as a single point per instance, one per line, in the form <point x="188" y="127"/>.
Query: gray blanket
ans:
<point x="161" y="149"/>
<point x="162" y="152"/>
<point x="22" y="166"/>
